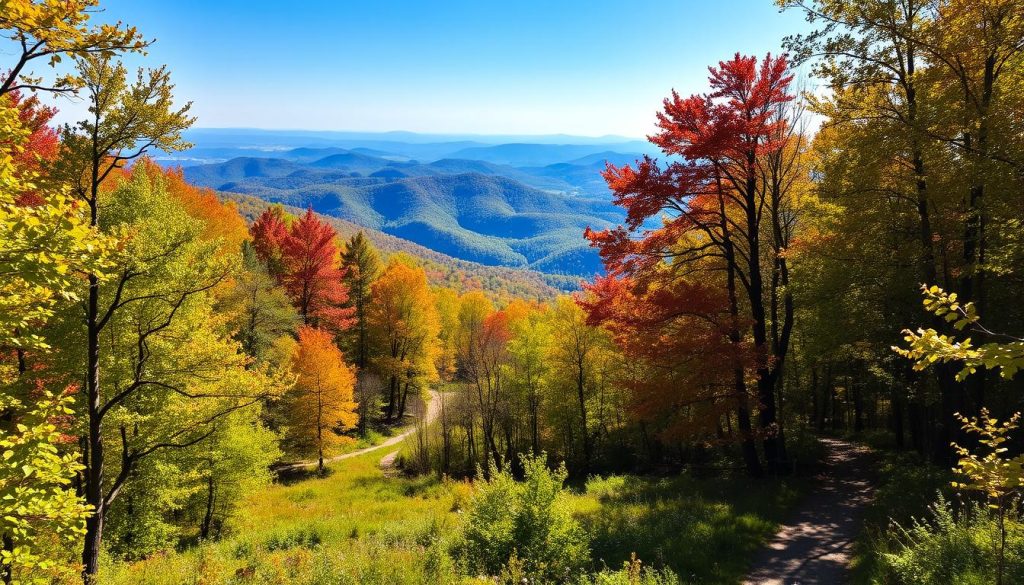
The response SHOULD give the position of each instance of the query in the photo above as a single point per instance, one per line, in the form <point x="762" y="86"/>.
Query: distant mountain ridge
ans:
<point x="219" y="145"/>
<point x="518" y="204"/>
<point x="489" y="219"/>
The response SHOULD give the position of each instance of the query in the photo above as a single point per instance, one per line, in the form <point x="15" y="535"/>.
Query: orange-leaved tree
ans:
<point x="320" y="406"/>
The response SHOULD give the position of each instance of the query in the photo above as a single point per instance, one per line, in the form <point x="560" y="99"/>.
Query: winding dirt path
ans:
<point x="816" y="546"/>
<point x="433" y="409"/>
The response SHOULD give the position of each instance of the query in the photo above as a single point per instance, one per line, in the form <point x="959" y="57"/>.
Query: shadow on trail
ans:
<point x="816" y="544"/>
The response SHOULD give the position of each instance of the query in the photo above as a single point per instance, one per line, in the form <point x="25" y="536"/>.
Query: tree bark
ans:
<point x="204" y="529"/>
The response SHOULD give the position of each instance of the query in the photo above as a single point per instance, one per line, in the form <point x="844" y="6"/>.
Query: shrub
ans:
<point x="632" y="573"/>
<point x="948" y="547"/>
<point x="526" y="527"/>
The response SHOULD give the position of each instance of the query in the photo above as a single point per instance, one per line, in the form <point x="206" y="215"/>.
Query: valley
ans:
<point x="472" y="204"/>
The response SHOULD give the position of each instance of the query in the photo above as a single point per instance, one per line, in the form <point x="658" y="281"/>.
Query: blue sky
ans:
<point x="516" y="67"/>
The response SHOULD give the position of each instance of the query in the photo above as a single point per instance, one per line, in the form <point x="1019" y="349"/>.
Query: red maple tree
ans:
<point x="711" y="201"/>
<point x="269" y="232"/>
<point x="305" y="259"/>
<point x="42" y="143"/>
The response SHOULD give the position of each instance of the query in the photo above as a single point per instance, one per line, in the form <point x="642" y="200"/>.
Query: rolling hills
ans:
<point x="520" y="202"/>
<point x="473" y="210"/>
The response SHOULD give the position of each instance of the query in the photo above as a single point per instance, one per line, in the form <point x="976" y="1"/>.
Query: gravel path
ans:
<point x="816" y="546"/>
<point x="433" y="409"/>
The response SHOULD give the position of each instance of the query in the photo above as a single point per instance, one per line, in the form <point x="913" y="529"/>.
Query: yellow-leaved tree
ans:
<point x="43" y="250"/>
<point x="44" y="31"/>
<point x="320" y="406"/>
<point x="404" y="327"/>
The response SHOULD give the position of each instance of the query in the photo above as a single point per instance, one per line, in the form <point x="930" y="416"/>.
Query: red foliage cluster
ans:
<point x="43" y="140"/>
<point x="671" y="295"/>
<point x="269" y="233"/>
<point x="719" y="136"/>
<point x="679" y="333"/>
<point x="305" y="260"/>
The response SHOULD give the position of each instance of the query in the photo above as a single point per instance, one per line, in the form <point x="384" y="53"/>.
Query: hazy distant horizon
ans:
<point x="347" y="133"/>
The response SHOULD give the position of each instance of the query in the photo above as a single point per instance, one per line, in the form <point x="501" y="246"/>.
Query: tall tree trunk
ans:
<point x="743" y="419"/>
<point x="402" y="397"/>
<point x="535" y="423"/>
<point x="92" y="541"/>
<point x="743" y="422"/>
<point x="972" y="286"/>
<point x="767" y="416"/>
<point x="204" y="530"/>
<point x="392" y="397"/>
<point x="581" y="396"/>
<point x="858" y="405"/>
<point x="949" y="388"/>
<point x="819" y="400"/>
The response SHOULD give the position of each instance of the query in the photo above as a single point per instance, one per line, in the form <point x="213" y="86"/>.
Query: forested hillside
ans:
<point x="500" y="284"/>
<point x="800" y="325"/>
<point x="469" y="209"/>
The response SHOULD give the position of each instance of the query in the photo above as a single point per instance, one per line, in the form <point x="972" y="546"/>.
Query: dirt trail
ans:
<point x="433" y="409"/>
<point x="816" y="546"/>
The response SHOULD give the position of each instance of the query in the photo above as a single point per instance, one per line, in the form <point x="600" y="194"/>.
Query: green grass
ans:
<point x="357" y="526"/>
<point x="706" y="530"/>
<point x="375" y="437"/>
<point x="907" y="486"/>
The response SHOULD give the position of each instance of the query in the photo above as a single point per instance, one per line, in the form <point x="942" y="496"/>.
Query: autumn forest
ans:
<point x="798" y="361"/>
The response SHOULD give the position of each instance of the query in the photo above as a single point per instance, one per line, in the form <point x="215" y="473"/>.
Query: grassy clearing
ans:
<point x="358" y="526"/>
<point x="355" y="525"/>
<point x="706" y="530"/>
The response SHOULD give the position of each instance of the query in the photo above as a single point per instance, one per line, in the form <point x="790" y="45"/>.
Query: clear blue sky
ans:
<point x="589" y="67"/>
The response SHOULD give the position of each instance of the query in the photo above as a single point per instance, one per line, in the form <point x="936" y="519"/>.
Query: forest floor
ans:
<point x="433" y="408"/>
<point x="816" y="545"/>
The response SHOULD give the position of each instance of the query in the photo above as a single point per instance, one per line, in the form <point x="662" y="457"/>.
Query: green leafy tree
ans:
<point x="42" y="250"/>
<point x="573" y="354"/>
<point x="40" y="512"/>
<point x="532" y="336"/>
<point x="173" y="371"/>
<point x="125" y="121"/>
<point x="234" y="462"/>
<point x="260" y="310"/>
<point x="361" y="263"/>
